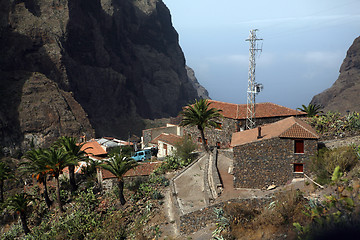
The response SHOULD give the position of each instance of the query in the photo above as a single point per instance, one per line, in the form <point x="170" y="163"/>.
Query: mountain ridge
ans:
<point x="118" y="62"/>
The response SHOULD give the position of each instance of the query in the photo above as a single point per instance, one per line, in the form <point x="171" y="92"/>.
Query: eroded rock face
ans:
<point x="201" y="91"/>
<point x="67" y="67"/>
<point x="344" y="95"/>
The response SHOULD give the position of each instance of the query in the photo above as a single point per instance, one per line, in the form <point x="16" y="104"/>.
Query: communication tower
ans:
<point x="253" y="87"/>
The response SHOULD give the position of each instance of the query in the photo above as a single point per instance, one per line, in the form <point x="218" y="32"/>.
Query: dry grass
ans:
<point x="272" y="222"/>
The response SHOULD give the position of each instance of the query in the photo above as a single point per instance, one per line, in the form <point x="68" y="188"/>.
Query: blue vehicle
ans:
<point x="142" y="155"/>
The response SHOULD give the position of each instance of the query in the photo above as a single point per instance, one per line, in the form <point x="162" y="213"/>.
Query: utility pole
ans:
<point x="253" y="87"/>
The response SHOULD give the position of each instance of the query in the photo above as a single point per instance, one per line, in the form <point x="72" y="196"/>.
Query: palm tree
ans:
<point x="311" y="109"/>
<point x="19" y="203"/>
<point x="201" y="115"/>
<point x="5" y="173"/>
<point x="36" y="165"/>
<point x="57" y="160"/>
<point x="73" y="149"/>
<point x="119" y="165"/>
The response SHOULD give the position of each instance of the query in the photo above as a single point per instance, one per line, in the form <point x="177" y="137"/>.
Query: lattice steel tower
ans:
<point x="253" y="87"/>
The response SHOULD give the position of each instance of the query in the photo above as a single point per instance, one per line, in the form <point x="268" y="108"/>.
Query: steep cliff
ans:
<point x="70" y="66"/>
<point x="344" y="95"/>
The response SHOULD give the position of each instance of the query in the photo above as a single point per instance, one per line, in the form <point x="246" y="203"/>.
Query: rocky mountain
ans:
<point x="344" y="95"/>
<point x="69" y="67"/>
<point x="201" y="91"/>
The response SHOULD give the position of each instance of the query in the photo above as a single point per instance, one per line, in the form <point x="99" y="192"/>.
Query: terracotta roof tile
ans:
<point x="290" y="127"/>
<point x="263" y="110"/>
<point x="143" y="169"/>
<point x="167" y="138"/>
<point x="93" y="148"/>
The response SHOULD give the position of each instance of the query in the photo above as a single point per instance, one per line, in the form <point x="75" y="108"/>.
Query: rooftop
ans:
<point x="290" y="127"/>
<point x="167" y="138"/>
<point x="143" y="169"/>
<point x="263" y="110"/>
<point x="93" y="148"/>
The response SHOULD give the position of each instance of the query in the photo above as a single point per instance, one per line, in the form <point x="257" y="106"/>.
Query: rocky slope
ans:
<point x="68" y="67"/>
<point x="344" y="95"/>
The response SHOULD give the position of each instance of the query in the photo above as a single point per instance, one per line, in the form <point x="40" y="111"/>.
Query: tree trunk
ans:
<point x="58" y="194"/>
<point x="24" y="223"/>
<point x="121" y="192"/>
<point x="72" y="178"/>
<point x="46" y="195"/>
<point x="1" y="191"/>
<point x="203" y="138"/>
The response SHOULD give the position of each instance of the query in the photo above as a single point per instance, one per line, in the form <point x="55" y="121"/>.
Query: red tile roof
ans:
<point x="167" y="138"/>
<point x="93" y="148"/>
<point x="287" y="128"/>
<point x="263" y="110"/>
<point x="143" y="169"/>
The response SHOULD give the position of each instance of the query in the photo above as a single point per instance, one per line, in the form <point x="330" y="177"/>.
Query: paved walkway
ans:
<point x="189" y="187"/>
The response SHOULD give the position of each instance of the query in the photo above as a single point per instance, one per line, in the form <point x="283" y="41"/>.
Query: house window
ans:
<point x="165" y="149"/>
<point x="299" y="146"/>
<point x="298" y="167"/>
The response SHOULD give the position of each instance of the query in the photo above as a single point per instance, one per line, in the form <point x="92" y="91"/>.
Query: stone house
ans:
<point x="166" y="144"/>
<point x="107" y="180"/>
<point x="274" y="153"/>
<point x="235" y="120"/>
<point x="152" y="133"/>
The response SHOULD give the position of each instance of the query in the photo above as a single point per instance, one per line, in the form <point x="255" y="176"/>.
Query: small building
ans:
<point x="107" y="180"/>
<point x="152" y="133"/>
<point x="94" y="150"/>
<point x="109" y="143"/>
<point x="166" y="144"/>
<point x="234" y="120"/>
<point x="274" y="153"/>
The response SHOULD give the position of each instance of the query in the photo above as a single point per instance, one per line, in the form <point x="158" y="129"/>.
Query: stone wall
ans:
<point x="267" y="162"/>
<point x="197" y="220"/>
<point x="216" y="136"/>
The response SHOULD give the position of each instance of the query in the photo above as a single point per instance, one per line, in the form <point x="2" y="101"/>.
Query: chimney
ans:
<point x="259" y="132"/>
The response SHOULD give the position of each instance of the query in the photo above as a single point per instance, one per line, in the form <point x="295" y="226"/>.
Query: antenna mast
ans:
<point x="253" y="87"/>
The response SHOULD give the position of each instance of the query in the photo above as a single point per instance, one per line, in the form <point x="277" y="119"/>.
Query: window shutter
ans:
<point x="299" y="146"/>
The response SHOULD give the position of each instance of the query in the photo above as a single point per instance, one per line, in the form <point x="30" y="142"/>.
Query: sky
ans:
<point x="304" y="43"/>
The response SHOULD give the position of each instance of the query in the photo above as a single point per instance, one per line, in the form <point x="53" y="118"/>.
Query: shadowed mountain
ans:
<point x="344" y="95"/>
<point x="68" y="67"/>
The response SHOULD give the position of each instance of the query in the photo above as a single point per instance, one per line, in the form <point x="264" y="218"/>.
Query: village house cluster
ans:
<point x="275" y="152"/>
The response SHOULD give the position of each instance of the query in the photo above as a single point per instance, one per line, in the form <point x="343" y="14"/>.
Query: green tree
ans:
<point x="5" y="173"/>
<point x="119" y="165"/>
<point x="57" y="160"/>
<point x="19" y="203"/>
<point x="35" y="164"/>
<point x="311" y="109"/>
<point x="73" y="149"/>
<point x="202" y="116"/>
<point x="184" y="148"/>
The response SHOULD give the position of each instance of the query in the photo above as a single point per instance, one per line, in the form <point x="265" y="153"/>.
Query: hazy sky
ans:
<point x="305" y="42"/>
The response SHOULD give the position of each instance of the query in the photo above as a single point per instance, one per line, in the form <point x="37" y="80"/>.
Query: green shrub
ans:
<point x="333" y="122"/>
<point x="124" y="150"/>
<point x="325" y="162"/>
<point x="184" y="148"/>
